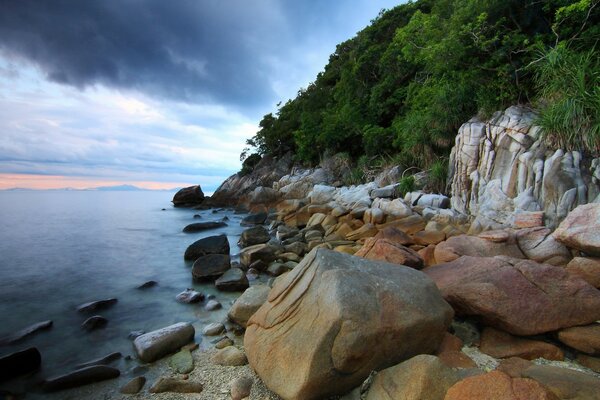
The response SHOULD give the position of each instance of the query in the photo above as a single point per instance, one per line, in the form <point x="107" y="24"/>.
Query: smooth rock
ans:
<point x="210" y="267"/>
<point x="324" y="351"/>
<point x="133" y="386"/>
<point x="97" y="305"/>
<point x="421" y="377"/>
<point x="229" y="356"/>
<point x="254" y="219"/>
<point x="225" y="342"/>
<point x="277" y="268"/>
<point x="248" y="303"/>
<point x="153" y="345"/>
<point x="260" y="252"/>
<point x="240" y="387"/>
<point x="214" y="329"/>
<point x="255" y="235"/>
<point x="234" y="280"/>
<point x="500" y="344"/>
<point x="583" y="338"/>
<point x="189" y="296"/>
<point x="520" y="297"/>
<point x="539" y="245"/>
<point x="395" y="235"/>
<point x="565" y="383"/>
<point x="102" y="360"/>
<point x="19" y="363"/>
<point x="80" y="377"/>
<point x="203" y="226"/>
<point x="581" y="229"/>
<point x="182" y="362"/>
<point x="384" y="250"/>
<point x="147" y="285"/>
<point x="425" y="238"/>
<point x="464" y="245"/>
<point x="94" y="322"/>
<point x="592" y="363"/>
<point x="212" y="305"/>
<point x="25" y="332"/>
<point x="188" y="196"/>
<point x="587" y="268"/>
<point x="168" y="384"/>
<point x="209" y="245"/>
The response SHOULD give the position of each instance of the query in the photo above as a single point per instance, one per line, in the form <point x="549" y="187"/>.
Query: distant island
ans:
<point x="117" y="188"/>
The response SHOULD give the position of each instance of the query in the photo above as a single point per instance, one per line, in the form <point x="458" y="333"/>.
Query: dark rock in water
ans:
<point x="156" y="344"/>
<point x="80" y="377"/>
<point x="211" y="266"/>
<point x="133" y="386"/>
<point x="101" y="361"/>
<point x="258" y="265"/>
<point x="96" y="305"/>
<point x="23" y="333"/>
<point x="214" y="211"/>
<point x="197" y="216"/>
<point x="209" y="245"/>
<point x="212" y="305"/>
<point x="189" y="296"/>
<point x="163" y="209"/>
<point x="176" y="386"/>
<point x="203" y="226"/>
<point x="19" y="363"/>
<point x="252" y="274"/>
<point x="254" y="219"/>
<point x="147" y="285"/>
<point x="134" y="334"/>
<point x="233" y="280"/>
<point x="225" y="218"/>
<point x="94" y="322"/>
<point x="255" y="235"/>
<point x="188" y="196"/>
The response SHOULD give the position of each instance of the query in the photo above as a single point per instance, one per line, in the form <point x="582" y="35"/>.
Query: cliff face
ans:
<point x="501" y="167"/>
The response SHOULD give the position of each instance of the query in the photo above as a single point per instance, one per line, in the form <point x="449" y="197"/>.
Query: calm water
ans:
<point x="61" y="249"/>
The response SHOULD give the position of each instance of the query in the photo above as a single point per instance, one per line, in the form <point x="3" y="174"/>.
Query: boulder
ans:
<point x="255" y="235"/>
<point x="254" y="219"/>
<point x="189" y="296"/>
<point x="583" y="338"/>
<point x="247" y="304"/>
<point x="565" y="383"/>
<point x="498" y="386"/>
<point x="500" y="344"/>
<point x="425" y="238"/>
<point x="94" y="322"/>
<point x="321" y="194"/>
<point x="395" y="235"/>
<point x="107" y="359"/>
<point x="80" y="377"/>
<point x="384" y="250"/>
<point x="587" y="268"/>
<point x="203" y="226"/>
<point x="133" y="386"/>
<point x="154" y="345"/>
<point x="592" y="363"/>
<point x="240" y="387"/>
<point x="521" y="297"/>
<point x="97" y="305"/>
<point x="365" y="231"/>
<point x="229" y="356"/>
<point x="214" y="329"/>
<point x="147" y="285"/>
<point x="182" y="362"/>
<point x="25" y="332"/>
<point x="421" y="377"/>
<point x="581" y="229"/>
<point x="174" y="385"/>
<point x="263" y="195"/>
<point x="377" y="315"/>
<point x="188" y="196"/>
<point x="374" y="216"/>
<point x="212" y="305"/>
<point x="395" y="208"/>
<point x="19" y="363"/>
<point x="263" y="252"/>
<point x="234" y="280"/>
<point x="211" y="266"/>
<point x="410" y="225"/>
<point x="389" y="191"/>
<point x="539" y="245"/>
<point x="208" y="245"/>
<point x="465" y="245"/>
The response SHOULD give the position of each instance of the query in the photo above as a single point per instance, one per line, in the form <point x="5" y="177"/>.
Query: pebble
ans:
<point x="166" y="384"/>
<point x="212" y="305"/>
<point x="213" y="329"/>
<point x="133" y="386"/>
<point x="225" y="342"/>
<point x="229" y="356"/>
<point x="240" y="387"/>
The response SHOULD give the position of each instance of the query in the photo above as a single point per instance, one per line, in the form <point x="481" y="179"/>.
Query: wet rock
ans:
<point x="334" y="361"/>
<point x="203" y="226"/>
<point x="214" y="329"/>
<point x="102" y="360"/>
<point x="182" y="362"/>
<point x="25" y="332"/>
<point x="134" y="334"/>
<point x="499" y="344"/>
<point x="189" y="296"/>
<point x="229" y="356"/>
<point x="212" y="305"/>
<point x="210" y="267"/>
<point x="583" y="338"/>
<point x="188" y="196"/>
<point x="209" y="245"/>
<point x="19" y="363"/>
<point x="384" y="250"/>
<point x="520" y="297"/>
<point x="80" y="377"/>
<point x="255" y="235"/>
<point x="153" y="345"/>
<point x="260" y="252"/>
<point x="147" y="285"/>
<point x="166" y="384"/>
<point x="254" y="219"/>
<point x="421" y="377"/>
<point x="240" y="387"/>
<point x="133" y="386"/>
<point x="94" y="322"/>
<point x="581" y="229"/>
<point x="234" y="280"/>
<point x="252" y="274"/>
<point x="248" y="303"/>
<point x="258" y="265"/>
<point x="197" y="216"/>
<point x="97" y="305"/>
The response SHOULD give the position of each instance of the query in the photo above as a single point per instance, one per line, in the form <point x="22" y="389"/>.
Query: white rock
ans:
<point x="153" y="345"/>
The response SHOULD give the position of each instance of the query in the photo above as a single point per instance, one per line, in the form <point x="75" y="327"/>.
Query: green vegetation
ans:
<point x="401" y="88"/>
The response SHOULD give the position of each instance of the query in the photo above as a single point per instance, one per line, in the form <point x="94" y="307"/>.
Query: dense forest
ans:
<point x="399" y="90"/>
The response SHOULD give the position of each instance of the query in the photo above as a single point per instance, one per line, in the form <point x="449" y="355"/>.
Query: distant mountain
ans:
<point x="117" y="188"/>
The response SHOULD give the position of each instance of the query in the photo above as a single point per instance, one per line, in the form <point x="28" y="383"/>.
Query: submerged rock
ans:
<point x="147" y="285"/>
<point x="255" y="235"/>
<point x="102" y="360"/>
<point x="19" y="363"/>
<point x="25" y="332"/>
<point x="80" y="377"/>
<point x="94" y="322"/>
<point x="203" y="226"/>
<point x="189" y="296"/>
<point x="153" y="345"/>
<point x="377" y="314"/>
<point x="97" y="305"/>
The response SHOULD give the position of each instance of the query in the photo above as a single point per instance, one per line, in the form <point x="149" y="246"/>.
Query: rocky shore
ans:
<point x="364" y="292"/>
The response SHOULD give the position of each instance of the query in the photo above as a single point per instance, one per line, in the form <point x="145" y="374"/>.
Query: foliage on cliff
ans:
<point x="403" y="85"/>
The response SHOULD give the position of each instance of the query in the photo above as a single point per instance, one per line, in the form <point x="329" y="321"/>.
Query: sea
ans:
<point x="60" y="249"/>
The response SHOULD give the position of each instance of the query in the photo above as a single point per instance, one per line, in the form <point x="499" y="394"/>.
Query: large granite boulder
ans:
<point x="335" y="318"/>
<point x="247" y="304"/>
<point x="475" y="246"/>
<point x="211" y="266"/>
<point x="588" y="268"/>
<point x="521" y="297"/>
<point x="386" y="250"/>
<point x="581" y="229"/>
<point x="208" y="245"/>
<point x="188" y="196"/>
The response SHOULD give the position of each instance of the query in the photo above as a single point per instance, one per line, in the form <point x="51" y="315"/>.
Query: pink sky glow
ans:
<point x="31" y="181"/>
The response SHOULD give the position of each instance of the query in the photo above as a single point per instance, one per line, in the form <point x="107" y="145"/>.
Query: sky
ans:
<point x="159" y="94"/>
